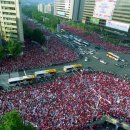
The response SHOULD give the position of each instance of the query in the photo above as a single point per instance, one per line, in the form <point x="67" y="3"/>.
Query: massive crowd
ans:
<point x="95" y="38"/>
<point x="34" y="56"/>
<point x="70" y="102"/>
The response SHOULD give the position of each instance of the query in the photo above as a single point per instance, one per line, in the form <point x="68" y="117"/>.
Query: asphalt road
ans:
<point x="92" y="62"/>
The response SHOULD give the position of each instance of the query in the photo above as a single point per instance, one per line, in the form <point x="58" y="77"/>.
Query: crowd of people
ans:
<point x="34" y="56"/>
<point x="70" y="102"/>
<point x="95" y="38"/>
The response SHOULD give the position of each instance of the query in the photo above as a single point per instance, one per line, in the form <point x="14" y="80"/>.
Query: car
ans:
<point x="98" y="47"/>
<point x="104" y="62"/>
<point x="90" y="68"/>
<point x="123" y="60"/>
<point x="82" y="53"/>
<point x="86" y="59"/>
<point x="91" y="53"/>
<point x="86" y="43"/>
<point x="117" y="64"/>
<point x="96" y="57"/>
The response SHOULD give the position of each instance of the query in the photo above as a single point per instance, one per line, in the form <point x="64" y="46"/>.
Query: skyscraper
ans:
<point x="40" y="7"/>
<point x="11" y="25"/>
<point x="69" y="9"/>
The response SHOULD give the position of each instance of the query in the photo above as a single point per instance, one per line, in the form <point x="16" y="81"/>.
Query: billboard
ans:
<point x="94" y="20"/>
<point x="118" y="25"/>
<point x="104" y="9"/>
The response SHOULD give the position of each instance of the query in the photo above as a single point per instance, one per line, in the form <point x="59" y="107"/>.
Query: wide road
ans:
<point x="90" y="62"/>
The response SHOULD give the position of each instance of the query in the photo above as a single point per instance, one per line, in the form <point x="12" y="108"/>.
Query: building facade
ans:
<point x="11" y="26"/>
<point x="69" y="9"/>
<point x="40" y="8"/>
<point x="49" y="8"/>
<point x="122" y="11"/>
<point x="114" y="14"/>
<point x="46" y="8"/>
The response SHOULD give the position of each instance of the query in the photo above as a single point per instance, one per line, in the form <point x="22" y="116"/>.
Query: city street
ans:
<point x="91" y="57"/>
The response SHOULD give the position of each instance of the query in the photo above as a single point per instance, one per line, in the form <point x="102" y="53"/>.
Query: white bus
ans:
<point x="70" y="68"/>
<point x="45" y="73"/>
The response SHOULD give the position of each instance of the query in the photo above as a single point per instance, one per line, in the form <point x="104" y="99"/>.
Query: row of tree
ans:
<point x="48" y="20"/>
<point x="51" y="22"/>
<point x="13" y="121"/>
<point x="34" y="34"/>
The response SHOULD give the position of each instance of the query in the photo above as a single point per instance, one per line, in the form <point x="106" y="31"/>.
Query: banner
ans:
<point x="118" y="25"/>
<point x="104" y="9"/>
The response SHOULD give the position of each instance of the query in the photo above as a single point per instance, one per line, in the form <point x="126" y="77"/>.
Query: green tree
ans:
<point x="38" y="36"/>
<point x="27" y="31"/>
<point x="13" y="121"/>
<point x="14" y="48"/>
<point x="2" y="52"/>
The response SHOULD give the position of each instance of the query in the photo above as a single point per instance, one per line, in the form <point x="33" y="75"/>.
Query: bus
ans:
<point x="77" y="42"/>
<point x="65" y="36"/>
<point x="58" y="35"/>
<point x="70" y="68"/>
<point x="77" y="39"/>
<point x="28" y="79"/>
<point x="45" y="73"/>
<point x="113" y="56"/>
<point x="15" y="81"/>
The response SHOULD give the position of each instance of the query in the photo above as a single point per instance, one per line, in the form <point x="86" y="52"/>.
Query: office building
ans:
<point x="49" y="8"/>
<point x="11" y="26"/>
<point x="40" y="8"/>
<point x="46" y="8"/>
<point x="113" y="14"/>
<point x="69" y="9"/>
<point x="122" y="11"/>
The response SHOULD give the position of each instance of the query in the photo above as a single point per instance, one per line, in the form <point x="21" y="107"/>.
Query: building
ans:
<point x="122" y="11"/>
<point x="88" y="10"/>
<point x="11" y="26"/>
<point x="49" y="8"/>
<point x="40" y="8"/>
<point x="46" y="8"/>
<point x="69" y="9"/>
<point x="113" y="14"/>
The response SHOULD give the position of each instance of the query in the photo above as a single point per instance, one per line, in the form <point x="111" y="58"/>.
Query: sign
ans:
<point x="104" y="9"/>
<point x="118" y="25"/>
<point x="94" y="20"/>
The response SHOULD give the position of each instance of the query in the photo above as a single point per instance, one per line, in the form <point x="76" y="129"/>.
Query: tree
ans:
<point x="2" y="52"/>
<point x="27" y="31"/>
<point x="13" y="121"/>
<point x="38" y="36"/>
<point x="14" y="48"/>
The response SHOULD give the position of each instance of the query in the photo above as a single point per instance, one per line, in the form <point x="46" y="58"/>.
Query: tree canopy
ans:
<point x="34" y="34"/>
<point x="2" y="52"/>
<point x="13" y="121"/>
<point x="14" y="48"/>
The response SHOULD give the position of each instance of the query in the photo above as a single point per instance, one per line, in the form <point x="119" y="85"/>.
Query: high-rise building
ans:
<point x="69" y="9"/>
<point x="88" y="9"/>
<point x="122" y="11"/>
<point x="114" y="14"/>
<point x="46" y="8"/>
<point x="40" y="7"/>
<point x="49" y="8"/>
<point x="11" y="26"/>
